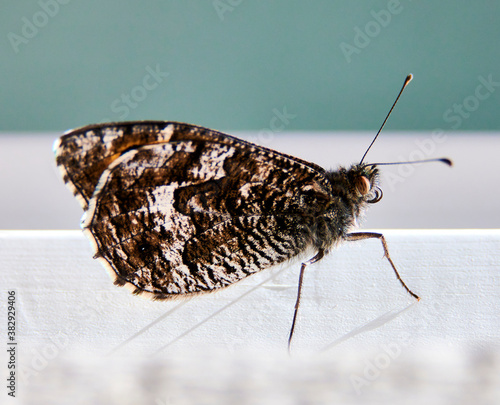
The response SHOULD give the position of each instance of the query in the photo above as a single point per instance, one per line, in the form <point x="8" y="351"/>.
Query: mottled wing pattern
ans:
<point x="193" y="210"/>
<point x="83" y="154"/>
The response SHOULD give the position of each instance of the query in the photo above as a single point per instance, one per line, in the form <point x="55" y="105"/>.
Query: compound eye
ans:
<point x="362" y="185"/>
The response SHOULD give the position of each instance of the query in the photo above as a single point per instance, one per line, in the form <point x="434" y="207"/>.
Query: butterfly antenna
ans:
<point x="407" y="81"/>
<point x="446" y="161"/>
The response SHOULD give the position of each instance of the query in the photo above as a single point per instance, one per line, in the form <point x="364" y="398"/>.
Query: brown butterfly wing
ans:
<point x="197" y="214"/>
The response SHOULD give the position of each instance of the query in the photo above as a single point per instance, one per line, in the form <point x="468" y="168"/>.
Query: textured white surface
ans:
<point x="360" y="337"/>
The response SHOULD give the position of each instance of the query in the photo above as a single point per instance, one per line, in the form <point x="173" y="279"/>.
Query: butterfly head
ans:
<point x="363" y="180"/>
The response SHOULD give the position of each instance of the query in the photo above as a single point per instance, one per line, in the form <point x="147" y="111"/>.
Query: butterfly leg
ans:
<point x="316" y="258"/>
<point x="371" y="235"/>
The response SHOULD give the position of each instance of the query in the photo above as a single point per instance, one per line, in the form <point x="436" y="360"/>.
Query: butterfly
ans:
<point x="175" y="209"/>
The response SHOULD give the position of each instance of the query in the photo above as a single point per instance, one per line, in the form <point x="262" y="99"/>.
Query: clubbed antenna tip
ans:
<point x="446" y="161"/>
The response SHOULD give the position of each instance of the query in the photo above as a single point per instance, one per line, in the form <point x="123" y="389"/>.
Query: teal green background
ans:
<point x="231" y="63"/>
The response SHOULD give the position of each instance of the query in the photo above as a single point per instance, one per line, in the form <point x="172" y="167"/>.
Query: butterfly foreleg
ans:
<point x="371" y="235"/>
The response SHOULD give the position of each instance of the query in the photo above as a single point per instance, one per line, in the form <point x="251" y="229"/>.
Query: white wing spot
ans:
<point x="167" y="132"/>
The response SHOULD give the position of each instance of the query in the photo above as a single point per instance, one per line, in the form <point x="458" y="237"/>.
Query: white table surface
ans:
<point x="360" y="337"/>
